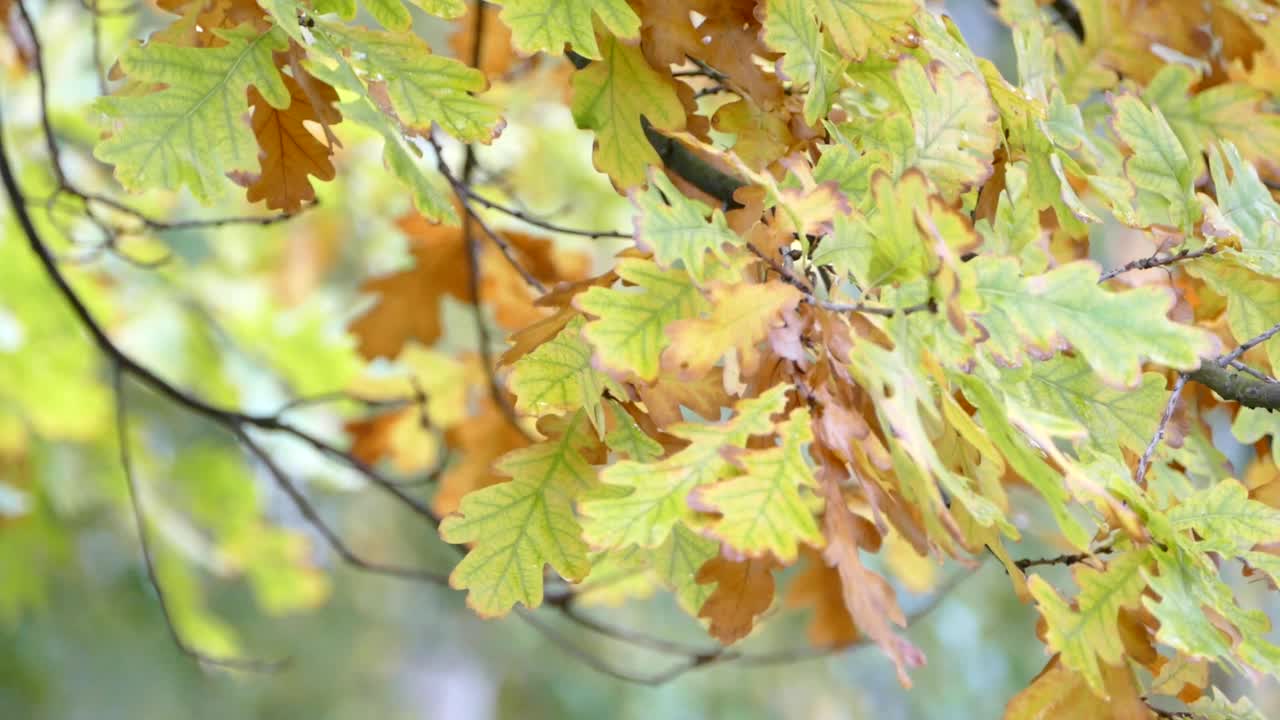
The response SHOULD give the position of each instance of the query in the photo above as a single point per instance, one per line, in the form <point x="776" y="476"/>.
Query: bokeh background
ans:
<point x="255" y="316"/>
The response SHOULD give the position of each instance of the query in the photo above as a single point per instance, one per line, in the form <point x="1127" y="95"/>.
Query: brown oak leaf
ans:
<point x="408" y="305"/>
<point x="819" y="587"/>
<point x="744" y="590"/>
<point x="867" y="595"/>
<point x="477" y="444"/>
<point x="290" y="154"/>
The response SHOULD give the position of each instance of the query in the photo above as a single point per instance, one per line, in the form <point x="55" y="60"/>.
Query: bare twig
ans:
<point x="65" y="186"/>
<point x="1155" y="261"/>
<point x="866" y="308"/>
<point x="314" y="519"/>
<point x="530" y="219"/>
<point x="1141" y="475"/>
<point x="1261" y="392"/>
<point x="225" y="417"/>
<point x="460" y="187"/>
<point x="718" y="656"/>
<point x="144" y="542"/>
<point x="1248" y="345"/>
<point x="1237" y="365"/>
<point x="1071" y="559"/>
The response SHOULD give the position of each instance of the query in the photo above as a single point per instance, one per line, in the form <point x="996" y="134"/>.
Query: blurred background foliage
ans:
<point x="253" y="317"/>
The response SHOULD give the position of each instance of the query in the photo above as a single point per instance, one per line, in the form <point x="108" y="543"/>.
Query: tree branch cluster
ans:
<point x="1251" y="389"/>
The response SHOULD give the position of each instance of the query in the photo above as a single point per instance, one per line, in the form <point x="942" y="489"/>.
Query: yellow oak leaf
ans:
<point x="610" y="96"/>
<point x="741" y="316"/>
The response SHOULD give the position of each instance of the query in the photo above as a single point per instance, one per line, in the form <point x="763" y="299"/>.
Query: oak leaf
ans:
<point x="740" y="317"/>
<point x="289" y="154"/>
<point x="744" y="590"/>
<point x="610" y="96"/>
<point x="521" y="525"/>
<point x="868" y="597"/>
<point x="819" y="587"/>
<point x="408" y="305"/>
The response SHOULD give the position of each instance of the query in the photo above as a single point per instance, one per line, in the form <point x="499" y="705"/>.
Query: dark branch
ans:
<point x="684" y="162"/>
<point x="1238" y="387"/>
<point x="1258" y="391"/>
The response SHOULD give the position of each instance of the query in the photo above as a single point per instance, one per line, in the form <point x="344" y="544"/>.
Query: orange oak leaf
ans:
<point x="408" y="302"/>
<point x="497" y="56"/>
<point x="665" y="397"/>
<point x="744" y="590"/>
<point x="1057" y="693"/>
<point x="290" y="155"/>
<point x="408" y="305"/>
<point x="725" y="34"/>
<point x="867" y="595"/>
<point x="819" y="587"/>
<point x="371" y="438"/>
<point x="477" y="444"/>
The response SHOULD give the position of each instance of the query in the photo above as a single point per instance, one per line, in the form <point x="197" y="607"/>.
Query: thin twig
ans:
<point x="225" y="417"/>
<point x="314" y="519"/>
<point x="1155" y="261"/>
<point x="530" y="219"/>
<point x="484" y="340"/>
<point x="1141" y="476"/>
<point x="64" y="185"/>
<point x="144" y="542"/>
<point x="1248" y="345"/>
<point x="1236" y="364"/>
<point x="1071" y="559"/>
<point x="790" y="278"/>
<point x="634" y="637"/>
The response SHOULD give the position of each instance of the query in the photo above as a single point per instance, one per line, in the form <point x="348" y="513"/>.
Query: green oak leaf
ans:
<point x="430" y="195"/>
<point x="1090" y="632"/>
<point x="1159" y="168"/>
<point x="1114" y="419"/>
<point x="521" y="525"/>
<point x="424" y="89"/>
<point x="1225" y="520"/>
<point x="1253" y="300"/>
<point x="657" y="491"/>
<point x="628" y="334"/>
<point x="677" y="561"/>
<point x="762" y="511"/>
<point x="1219" y="707"/>
<point x="1113" y="332"/>
<point x="1250" y="212"/>
<point x="1187" y="583"/>
<point x="993" y="415"/>
<point x="559" y="378"/>
<point x="391" y="14"/>
<point x="196" y="129"/>
<point x="676" y="228"/>
<point x="610" y="96"/>
<point x="628" y="438"/>
<point x="789" y="27"/>
<point x="884" y="245"/>
<point x="859" y="26"/>
<point x="547" y="25"/>
<point x="955" y="123"/>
